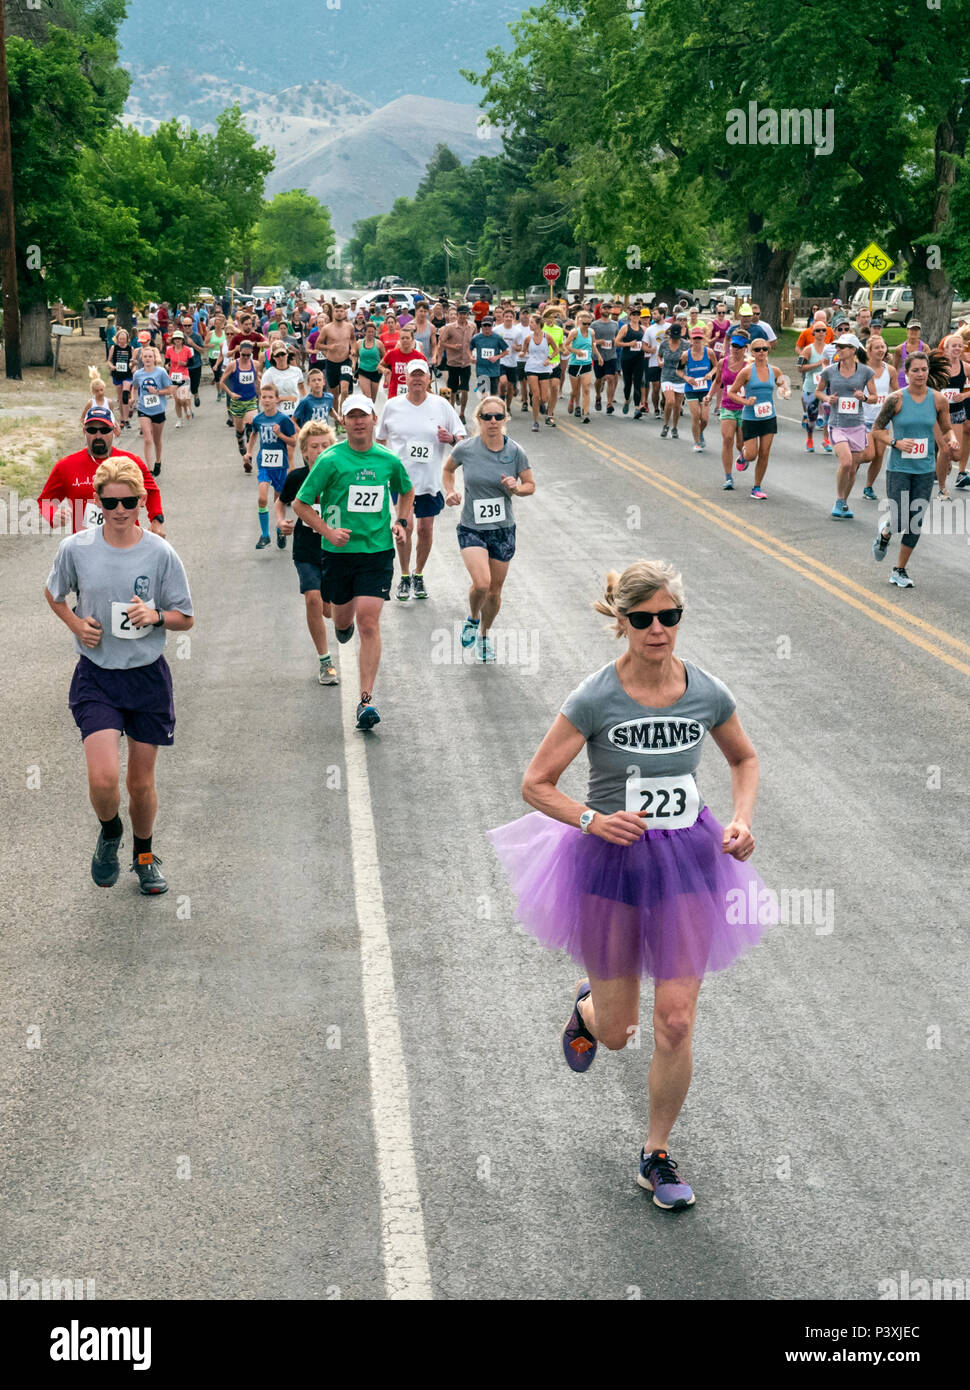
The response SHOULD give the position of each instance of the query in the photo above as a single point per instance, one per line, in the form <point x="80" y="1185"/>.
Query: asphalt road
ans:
<point x="202" y="1096"/>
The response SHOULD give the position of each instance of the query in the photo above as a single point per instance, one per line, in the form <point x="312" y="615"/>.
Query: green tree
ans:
<point x="293" y="234"/>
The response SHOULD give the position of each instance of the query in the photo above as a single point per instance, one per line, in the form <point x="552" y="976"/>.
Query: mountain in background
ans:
<point x="381" y="49"/>
<point x="327" y="140"/>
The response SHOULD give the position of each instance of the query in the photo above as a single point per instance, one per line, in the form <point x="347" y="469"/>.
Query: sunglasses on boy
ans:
<point x="109" y="503"/>
<point x="668" y="617"/>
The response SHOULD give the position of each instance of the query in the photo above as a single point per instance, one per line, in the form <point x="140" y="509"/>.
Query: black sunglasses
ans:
<point x="109" y="503"/>
<point x="491" y="417"/>
<point x="759" y="349"/>
<point x="98" y="429"/>
<point x="669" y="617"/>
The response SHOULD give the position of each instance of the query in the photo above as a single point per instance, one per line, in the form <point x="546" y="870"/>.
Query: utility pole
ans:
<point x="8" y="243"/>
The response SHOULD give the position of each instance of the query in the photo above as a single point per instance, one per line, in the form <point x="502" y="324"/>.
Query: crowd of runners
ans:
<point x="362" y="425"/>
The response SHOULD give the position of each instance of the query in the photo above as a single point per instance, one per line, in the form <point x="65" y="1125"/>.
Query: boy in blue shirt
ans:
<point x="318" y="404"/>
<point x="273" y="439"/>
<point x="489" y="347"/>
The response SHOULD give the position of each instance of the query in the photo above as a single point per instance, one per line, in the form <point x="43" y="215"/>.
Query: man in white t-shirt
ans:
<point x="420" y="428"/>
<point x="653" y="335"/>
<point x="512" y="362"/>
<point x="286" y="377"/>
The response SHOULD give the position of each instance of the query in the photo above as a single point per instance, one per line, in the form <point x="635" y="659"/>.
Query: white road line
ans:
<point x="405" y="1253"/>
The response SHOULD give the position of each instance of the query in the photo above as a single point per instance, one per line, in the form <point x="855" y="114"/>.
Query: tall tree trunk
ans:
<point x="771" y="267"/>
<point x="932" y="289"/>
<point x="35" y="334"/>
<point x="124" y="312"/>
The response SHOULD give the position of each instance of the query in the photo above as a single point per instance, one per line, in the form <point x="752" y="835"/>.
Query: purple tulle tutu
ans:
<point x="670" y="905"/>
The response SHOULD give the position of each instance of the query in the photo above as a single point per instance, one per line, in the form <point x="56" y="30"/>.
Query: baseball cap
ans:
<point x="464" y="308"/>
<point x="675" y="330"/>
<point x="358" y="401"/>
<point x="279" y="350"/>
<point x="745" y="310"/>
<point x="697" y="332"/>
<point x="662" y="305"/>
<point x="144" y="336"/>
<point x="738" y="341"/>
<point x="847" y="340"/>
<point x="177" y="333"/>
<point x="417" y="364"/>
<point x="99" y="412"/>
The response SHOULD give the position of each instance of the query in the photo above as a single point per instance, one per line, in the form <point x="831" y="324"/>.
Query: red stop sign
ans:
<point x="551" y="272"/>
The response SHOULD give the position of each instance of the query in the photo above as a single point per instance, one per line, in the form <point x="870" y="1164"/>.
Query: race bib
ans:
<point x="120" y="624"/>
<point x="287" y="407"/>
<point x="635" y="347"/>
<point x="178" y="378"/>
<point x="763" y="411"/>
<point x="402" y="389"/>
<point x="848" y="405"/>
<point x="246" y="378"/>
<point x="950" y="393"/>
<point x="364" y="497"/>
<point x="486" y="354"/>
<point x="489" y="509"/>
<point x="150" y="401"/>
<point x="581" y="356"/>
<point x="93" y="516"/>
<point x="346" y="370"/>
<point x="271" y="458"/>
<point x="671" y="803"/>
<point x="417" y="452"/>
<point x="919" y="450"/>
<point x="816" y="377"/>
<point x="880" y="400"/>
<point x="699" y="384"/>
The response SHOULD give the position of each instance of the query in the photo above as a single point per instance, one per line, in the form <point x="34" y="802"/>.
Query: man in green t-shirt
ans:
<point x="346" y="500"/>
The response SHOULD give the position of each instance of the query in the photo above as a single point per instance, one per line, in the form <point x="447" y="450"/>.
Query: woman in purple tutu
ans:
<point x="641" y="880"/>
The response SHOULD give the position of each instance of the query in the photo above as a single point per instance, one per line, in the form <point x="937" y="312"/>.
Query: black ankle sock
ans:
<point x="142" y="846"/>
<point x="112" y="828"/>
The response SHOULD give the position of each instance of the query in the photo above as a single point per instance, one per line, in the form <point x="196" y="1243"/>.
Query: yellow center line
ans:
<point x="782" y="552"/>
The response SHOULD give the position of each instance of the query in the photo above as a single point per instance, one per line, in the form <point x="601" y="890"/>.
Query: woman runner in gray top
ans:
<point x="641" y="879"/>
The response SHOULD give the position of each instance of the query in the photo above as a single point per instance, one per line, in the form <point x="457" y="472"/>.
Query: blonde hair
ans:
<point x="639" y="582"/>
<point x="120" y="470"/>
<point x="313" y="427"/>
<point x="484" y="402"/>
<point x="94" y="378"/>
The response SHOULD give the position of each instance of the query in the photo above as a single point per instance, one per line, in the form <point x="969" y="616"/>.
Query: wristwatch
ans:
<point x="160" y="516"/>
<point x="586" y="820"/>
<point x="161" y="618"/>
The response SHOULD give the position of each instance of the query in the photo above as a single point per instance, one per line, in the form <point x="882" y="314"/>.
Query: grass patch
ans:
<point x="24" y="470"/>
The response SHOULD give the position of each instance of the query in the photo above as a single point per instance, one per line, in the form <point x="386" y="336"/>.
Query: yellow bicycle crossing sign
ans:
<point x="872" y="263"/>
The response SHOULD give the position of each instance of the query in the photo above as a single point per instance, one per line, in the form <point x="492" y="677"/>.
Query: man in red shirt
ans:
<point x="246" y="333"/>
<point x="480" y="308"/>
<point x="395" y="363"/>
<point x="68" y="493"/>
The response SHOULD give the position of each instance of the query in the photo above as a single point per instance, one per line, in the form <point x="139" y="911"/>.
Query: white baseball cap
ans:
<point x="358" y="401"/>
<point x="417" y="364"/>
<point x="848" y="340"/>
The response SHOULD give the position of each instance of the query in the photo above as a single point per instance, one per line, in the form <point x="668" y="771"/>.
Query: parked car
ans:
<point x="881" y="296"/>
<point x="479" y="289"/>
<point x="707" y="297"/>
<point x="268" y="291"/>
<point x="388" y="282"/>
<point x="734" y="292"/>
<point x="204" y="295"/>
<point x="536" y="295"/>
<point x="899" y="304"/>
<point x="379" y="298"/>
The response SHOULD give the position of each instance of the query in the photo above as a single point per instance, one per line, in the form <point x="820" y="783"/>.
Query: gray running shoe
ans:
<point x="104" y="864"/>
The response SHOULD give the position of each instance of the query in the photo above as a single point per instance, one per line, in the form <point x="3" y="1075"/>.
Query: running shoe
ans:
<point x="197" y="401"/>
<point x="280" y="539"/>
<point x="150" y="881"/>
<point x="698" y="448"/>
<point x="344" y="634"/>
<point x="469" y="632"/>
<point x="880" y="545"/>
<point x="367" y="716"/>
<point x="658" y="1174"/>
<point x="247" y="465"/>
<point x="542" y="409"/>
<point x="637" y="413"/>
<point x="868" y="493"/>
<point x="585" y="419"/>
<point x="809" y="446"/>
<point x="403" y="590"/>
<point x="262" y="543"/>
<point x="657" y="414"/>
<point x="157" y="469"/>
<point x="962" y="480"/>
<point x="578" y="1044"/>
<point x="674" y="434"/>
<point x="551" y="422"/>
<point x="328" y="672"/>
<point x="841" y="510"/>
<point x="525" y="407"/>
<point x="178" y="424"/>
<point x="826" y="446"/>
<point x="741" y="463"/>
<point x="758" y="494"/>
<point x="417" y="586"/>
<point x="535" y="426"/>
<point x="569" y="408"/>
<point x="486" y="649"/>
<point x="609" y="410"/>
<point x="229" y="421"/>
<point x="664" y="432"/>
<point x="901" y="579"/>
<point x="626" y="407"/>
<point x="598" y="404"/>
<point x="727" y="485"/>
<point x="104" y="863"/>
